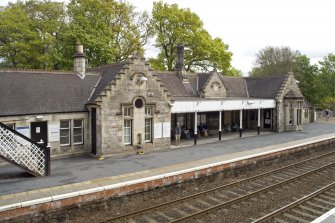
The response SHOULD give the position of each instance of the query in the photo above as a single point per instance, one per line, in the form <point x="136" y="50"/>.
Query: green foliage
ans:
<point x="327" y="79"/>
<point x="235" y="72"/>
<point x="29" y="34"/>
<point x="309" y="82"/>
<point x="174" y="26"/>
<point x="108" y="29"/>
<point x="274" y="61"/>
<point x="42" y="34"/>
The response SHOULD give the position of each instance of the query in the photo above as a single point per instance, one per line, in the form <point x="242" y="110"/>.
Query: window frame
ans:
<point x="82" y="132"/>
<point x="149" y="139"/>
<point x="128" y="112"/>
<point x="125" y="128"/>
<point x="69" y="132"/>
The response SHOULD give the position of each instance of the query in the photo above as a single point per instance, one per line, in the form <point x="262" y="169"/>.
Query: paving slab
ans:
<point x="116" y="170"/>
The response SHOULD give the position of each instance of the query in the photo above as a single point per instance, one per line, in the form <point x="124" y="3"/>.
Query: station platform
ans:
<point x="80" y="179"/>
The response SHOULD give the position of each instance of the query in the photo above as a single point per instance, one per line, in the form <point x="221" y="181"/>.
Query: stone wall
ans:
<point x="136" y="81"/>
<point x="56" y="149"/>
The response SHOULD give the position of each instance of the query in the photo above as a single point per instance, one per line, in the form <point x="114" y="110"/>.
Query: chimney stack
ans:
<point x="180" y="58"/>
<point x="79" y="60"/>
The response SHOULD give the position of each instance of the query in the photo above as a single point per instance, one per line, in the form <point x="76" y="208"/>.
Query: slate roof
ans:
<point x="264" y="87"/>
<point x="236" y="86"/>
<point x="31" y="92"/>
<point x="172" y="82"/>
<point x="108" y="73"/>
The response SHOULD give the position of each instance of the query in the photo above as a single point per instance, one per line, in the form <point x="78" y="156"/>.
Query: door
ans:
<point x="267" y="118"/>
<point x="39" y="132"/>
<point x="94" y="130"/>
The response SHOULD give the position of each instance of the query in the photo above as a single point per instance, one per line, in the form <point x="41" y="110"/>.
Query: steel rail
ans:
<point x="294" y="204"/>
<point x="185" y="199"/>
<point x="269" y="188"/>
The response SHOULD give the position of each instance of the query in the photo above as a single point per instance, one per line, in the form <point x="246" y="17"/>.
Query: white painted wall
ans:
<point x="217" y="105"/>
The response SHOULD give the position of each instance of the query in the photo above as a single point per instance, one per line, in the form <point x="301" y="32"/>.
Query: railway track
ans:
<point x="199" y="205"/>
<point x="305" y="209"/>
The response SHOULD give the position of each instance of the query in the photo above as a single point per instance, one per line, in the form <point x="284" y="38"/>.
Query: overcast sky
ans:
<point x="248" y="26"/>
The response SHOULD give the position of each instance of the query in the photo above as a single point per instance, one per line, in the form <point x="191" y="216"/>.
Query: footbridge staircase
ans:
<point x="24" y="152"/>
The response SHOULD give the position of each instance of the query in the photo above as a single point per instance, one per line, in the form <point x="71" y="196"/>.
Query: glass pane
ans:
<point x="77" y="131"/>
<point x="64" y="140"/>
<point x="77" y="139"/>
<point x="64" y="132"/>
<point x="77" y="123"/>
<point x="64" y="124"/>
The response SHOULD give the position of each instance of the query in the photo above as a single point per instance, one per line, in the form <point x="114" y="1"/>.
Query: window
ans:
<point x="127" y="125"/>
<point x="148" y="124"/>
<point x="148" y="110"/>
<point x="65" y="132"/>
<point x="291" y="117"/>
<point x="128" y="111"/>
<point x="148" y="127"/>
<point x="127" y="131"/>
<point x="78" y="133"/>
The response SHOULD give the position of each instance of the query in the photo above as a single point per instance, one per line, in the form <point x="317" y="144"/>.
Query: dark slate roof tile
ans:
<point x="236" y="86"/>
<point x="108" y="73"/>
<point x="32" y="92"/>
<point x="264" y="87"/>
<point x="175" y="86"/>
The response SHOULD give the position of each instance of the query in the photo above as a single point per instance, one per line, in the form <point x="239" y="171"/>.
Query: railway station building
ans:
<point x="127" y="106"/>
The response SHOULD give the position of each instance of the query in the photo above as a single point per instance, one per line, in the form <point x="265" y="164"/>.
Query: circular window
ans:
<point x="139" y="103"/>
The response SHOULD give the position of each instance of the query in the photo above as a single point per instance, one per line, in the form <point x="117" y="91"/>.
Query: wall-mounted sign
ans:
<point x="166" y="129"/>
<point x="53" y="132"/>
<point x="158" y="130"/>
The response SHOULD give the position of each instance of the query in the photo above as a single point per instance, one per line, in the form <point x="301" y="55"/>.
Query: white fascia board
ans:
<point x="221" y="105"/>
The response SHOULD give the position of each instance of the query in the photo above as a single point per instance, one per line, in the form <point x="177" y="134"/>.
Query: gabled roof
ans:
<point x="31" y="92"/>
<point x="236" y="86"/>
<point x="264" y="87"/>
<point x="173" y="83"/>
<point x="108" y="73"/>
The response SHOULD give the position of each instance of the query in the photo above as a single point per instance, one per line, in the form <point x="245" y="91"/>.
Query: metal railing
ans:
<point x="24" y="152"/>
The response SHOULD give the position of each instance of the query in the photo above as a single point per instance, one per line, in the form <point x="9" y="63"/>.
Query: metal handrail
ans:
<point x="43" y="149"/>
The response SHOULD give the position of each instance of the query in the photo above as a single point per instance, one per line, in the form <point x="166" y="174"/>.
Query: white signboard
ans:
<point x="24" y="130"/>
<point x="53" y="132"/>
<point x="158" y="130"/>
<point x="166" y="129"/>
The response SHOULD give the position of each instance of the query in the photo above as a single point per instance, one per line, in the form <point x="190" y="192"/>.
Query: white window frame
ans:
<point x="82" y="132"/>
<point x="127" y="128"/>
<point x="69" y="130"/>
<point x="148" y="134"/>
<point x="127" y="125"/>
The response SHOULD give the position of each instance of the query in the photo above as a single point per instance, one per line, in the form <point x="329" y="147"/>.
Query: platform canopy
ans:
<point x="188" y="106"/>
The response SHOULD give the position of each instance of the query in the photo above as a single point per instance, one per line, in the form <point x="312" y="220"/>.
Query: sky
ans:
<point x="249" y="26"/>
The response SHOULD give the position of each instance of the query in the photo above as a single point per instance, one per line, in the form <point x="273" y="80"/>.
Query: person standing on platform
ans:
<point x="178" y="133"/>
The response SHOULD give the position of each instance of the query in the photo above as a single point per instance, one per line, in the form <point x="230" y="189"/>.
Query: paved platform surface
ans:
<point x="84" y="168"/>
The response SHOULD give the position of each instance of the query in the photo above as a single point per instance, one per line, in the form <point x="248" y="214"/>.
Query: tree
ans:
<point x="327" y="79"/>
<point x="274" y="61"/>
<point x="29" y="32"/>
<point x="110" y="31"/>
<point x="174" y="26"/>
<point x="308" y="78"/>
